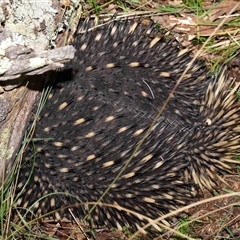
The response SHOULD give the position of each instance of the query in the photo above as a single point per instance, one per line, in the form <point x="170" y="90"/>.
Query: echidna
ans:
<point x="94" y="119"/>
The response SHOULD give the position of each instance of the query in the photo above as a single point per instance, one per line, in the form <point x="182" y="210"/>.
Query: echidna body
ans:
<point x="94" y="119"/>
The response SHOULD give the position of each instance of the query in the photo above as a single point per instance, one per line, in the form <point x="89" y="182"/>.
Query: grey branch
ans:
<point x="17" y="60"/>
